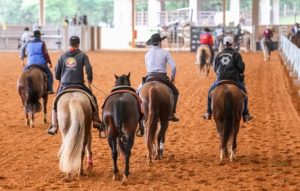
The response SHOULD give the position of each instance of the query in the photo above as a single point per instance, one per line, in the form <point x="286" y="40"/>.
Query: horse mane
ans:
<point x="32" y="96"/>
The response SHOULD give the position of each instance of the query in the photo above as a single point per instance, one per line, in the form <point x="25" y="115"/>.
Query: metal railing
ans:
<point x="291" y="54"/>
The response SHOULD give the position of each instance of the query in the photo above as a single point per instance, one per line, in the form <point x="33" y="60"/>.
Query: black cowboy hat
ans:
<point x="155" y="39"/>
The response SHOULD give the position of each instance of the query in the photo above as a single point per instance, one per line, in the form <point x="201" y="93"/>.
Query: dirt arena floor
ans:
<point x="268" y="147"/>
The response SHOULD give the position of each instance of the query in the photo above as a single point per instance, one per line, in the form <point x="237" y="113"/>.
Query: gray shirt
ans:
<point x="156" y="60"/>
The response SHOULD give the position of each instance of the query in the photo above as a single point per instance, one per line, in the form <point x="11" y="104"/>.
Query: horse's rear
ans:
<point x="31" y="87"/>
<point x="74" y="112"/>
<point x="266" y="49"/>
<point x="121" y="115"/>
<point x="227" y="107"/>
<point x="203" y="58"/>
<point x="157" y="104"/>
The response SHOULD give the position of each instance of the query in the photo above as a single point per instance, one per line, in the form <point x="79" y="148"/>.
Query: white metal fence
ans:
<point x="291" y="54"/>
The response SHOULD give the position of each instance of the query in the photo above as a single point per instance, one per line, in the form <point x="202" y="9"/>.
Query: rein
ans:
<point x="98" y="89"/>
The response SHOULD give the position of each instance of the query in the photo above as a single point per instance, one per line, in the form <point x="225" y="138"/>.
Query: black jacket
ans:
<point x="229" y="65"/>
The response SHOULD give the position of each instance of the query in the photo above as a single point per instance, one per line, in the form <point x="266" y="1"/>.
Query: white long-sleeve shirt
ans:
<point x="156" y="60"/>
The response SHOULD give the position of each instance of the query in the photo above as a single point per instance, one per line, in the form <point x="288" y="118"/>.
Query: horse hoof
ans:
<point x="124" y="180"/>
<point x="116" y="177"/>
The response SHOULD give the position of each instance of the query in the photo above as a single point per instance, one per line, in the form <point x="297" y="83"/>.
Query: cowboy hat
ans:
<point x="155" y="39"/>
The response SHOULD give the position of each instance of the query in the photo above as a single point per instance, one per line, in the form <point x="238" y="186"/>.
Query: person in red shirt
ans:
<point x="207" y="38"/>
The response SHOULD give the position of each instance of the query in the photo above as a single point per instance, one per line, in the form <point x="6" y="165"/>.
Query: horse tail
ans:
<point x="119" y="121"/>
<point x="229" y="118"/>
<point x="153" y="114"/>
<point x="202" y="58"/>
<point x="32" y="97"/>
<point x="71" y="149"/>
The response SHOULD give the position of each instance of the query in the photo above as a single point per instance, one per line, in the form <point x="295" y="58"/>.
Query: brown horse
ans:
<point x="74" y="114"/>
<point x="266" y="48"/>
<point x="296" y="39"/>
<point x="121" y="115"/>
<point x="227" y="107"/>
<point x="32" y="86"/>
<point x="157" y="104"/>
<point x="203" y="58"/>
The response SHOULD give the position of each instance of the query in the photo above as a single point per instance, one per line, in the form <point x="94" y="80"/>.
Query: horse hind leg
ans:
<point x="89" y="157"/>
<point x="45" y="99"/>
<point x="233" y="149"/>
<point x="113" y="145"/>
<point x="31" y="120"/>
<point x="27" y="122"/>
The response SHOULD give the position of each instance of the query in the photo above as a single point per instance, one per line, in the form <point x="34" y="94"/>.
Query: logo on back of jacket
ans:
<point x="71" y="63"/>
<point x="225" y="58"/>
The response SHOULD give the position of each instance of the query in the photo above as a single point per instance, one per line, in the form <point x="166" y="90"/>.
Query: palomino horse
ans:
<point x="203" y="58"/>
<point x="266" y="46"/>
<point x="74" y="114"/>
<point x="227" y="107"/>
<point x="121" y="115"/>
<point x="32" y="86"/>
<point x="157" y="105"/>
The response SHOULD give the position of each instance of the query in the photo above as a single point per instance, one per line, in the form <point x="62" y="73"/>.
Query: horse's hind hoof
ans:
<point x="124" y="180"/>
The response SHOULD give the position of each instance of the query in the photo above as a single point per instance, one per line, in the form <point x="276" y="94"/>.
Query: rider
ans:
<point x="69" y="71"/>
<point x="229" y="66"/>
<point x="38" y="56"/>
<point x="219" y="35"/>
<point x="268" y="34"/>
<point x="296" y="28"/>
<point x="156" y="60"/>
<point x="206" y="38"/>
<point x="236" y="35"/>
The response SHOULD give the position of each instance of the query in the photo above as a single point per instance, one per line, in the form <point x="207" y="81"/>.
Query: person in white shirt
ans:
<point x="156" y="60"/>
<point x="26" y="36"/>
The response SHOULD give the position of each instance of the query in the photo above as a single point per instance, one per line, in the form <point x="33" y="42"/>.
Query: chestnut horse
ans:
<point x="227" y="107"/>
<point x="203" y="58"/>
<point x="157" y="105"/>
<point x="74" y="114"/>
<point x="32" y="86"/>
<point x="121" y="115"/>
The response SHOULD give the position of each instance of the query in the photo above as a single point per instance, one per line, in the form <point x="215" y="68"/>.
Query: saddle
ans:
<point x="222" y="82"/>
<point x="125" y="89"/>
<point x="72" y="89"/>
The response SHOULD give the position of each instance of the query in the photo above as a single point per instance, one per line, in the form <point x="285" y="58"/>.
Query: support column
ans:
<point x="235" y="11"/>
<point x="42" y="13"/>
<point x="255" y="22"/>
<point x="154" y="8"/>
<point x="122" y="13"/>
<point x="195" y="7"/>
<point x="275" y="11"/>
<point x="265" y="12"/>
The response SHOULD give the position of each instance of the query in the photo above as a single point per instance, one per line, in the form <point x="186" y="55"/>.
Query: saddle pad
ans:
<point x="70" y="90"/>
<point x="121" y="91"/>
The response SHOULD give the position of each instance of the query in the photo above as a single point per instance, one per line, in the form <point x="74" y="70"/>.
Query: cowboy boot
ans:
<point x="52" y="130"/>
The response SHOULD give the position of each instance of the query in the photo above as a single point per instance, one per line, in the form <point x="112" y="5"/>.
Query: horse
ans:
<point x="266" y="46"/>
<point x="32" y="86"/>
<point x="203" y="58"/>
<point x="227" y="107"/>
<point x="121" y="115"/>
<point x="295" y="38"/>
<point x="157" y="105"/>
<point x="74" y="115"/>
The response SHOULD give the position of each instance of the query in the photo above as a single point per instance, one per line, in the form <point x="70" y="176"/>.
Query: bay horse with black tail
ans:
<point x="121" y="115"/>
<point x="32" y="86"/>
<point x="227" y="107"/>
<point x="203" y="58"/>
<point x="157" y="105"/>
<point x="74" y="115"/>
